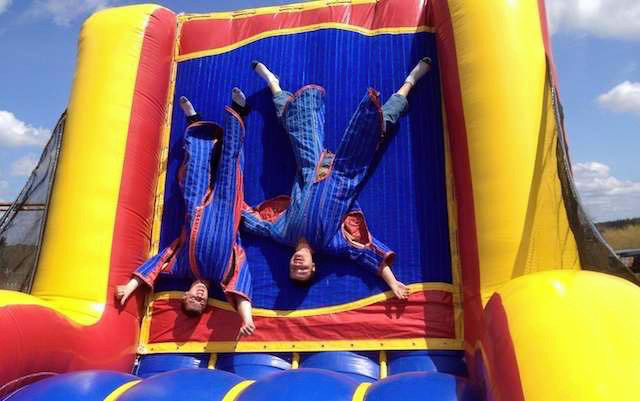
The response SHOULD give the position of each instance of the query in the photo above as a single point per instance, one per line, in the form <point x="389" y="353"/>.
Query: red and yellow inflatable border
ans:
<point x="99" y="222"/>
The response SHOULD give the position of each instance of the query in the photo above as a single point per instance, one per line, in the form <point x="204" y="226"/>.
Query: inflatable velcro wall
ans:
<point x="473" y="192"/>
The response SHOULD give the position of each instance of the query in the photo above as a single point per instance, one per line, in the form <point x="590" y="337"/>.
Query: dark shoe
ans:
<point x="254" y="64"/>
<point x="239" y="102"/>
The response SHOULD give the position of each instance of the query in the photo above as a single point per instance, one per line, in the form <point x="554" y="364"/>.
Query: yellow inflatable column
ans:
<point x="520" y="217"/>
<point x="75" y="261"/>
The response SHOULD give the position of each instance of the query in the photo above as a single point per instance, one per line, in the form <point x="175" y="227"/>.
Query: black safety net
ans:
<point x="22" y="224"/>
<point x="595" y="253"/>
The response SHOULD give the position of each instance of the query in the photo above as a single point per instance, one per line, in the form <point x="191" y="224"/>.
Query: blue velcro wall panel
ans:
<point x="404" y="199"/>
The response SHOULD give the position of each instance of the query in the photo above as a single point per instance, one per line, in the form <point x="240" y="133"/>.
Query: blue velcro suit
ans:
<point x="322" y="207"/>
<point x="208" y="247"/>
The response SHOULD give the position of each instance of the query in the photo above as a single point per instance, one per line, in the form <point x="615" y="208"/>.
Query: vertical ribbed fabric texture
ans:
<point x="404" y="197"/>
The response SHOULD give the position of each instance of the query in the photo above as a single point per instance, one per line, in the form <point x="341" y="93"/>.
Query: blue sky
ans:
<point x="596" y="48"/>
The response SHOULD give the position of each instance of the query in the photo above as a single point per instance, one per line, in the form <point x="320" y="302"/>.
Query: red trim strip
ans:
<point x="205" y="34"/>
<point x="299" y="92"/>
<point x="235" y="115"/>
<point x="236" y="260"/>
<point x="239" y="263"/>
<point x="428" y="313"/>
<point x="547" y="42"/>
<point x="239" y="204"/>
<point x="467" y="236"/>
<point x="374" y="95"/>
<point x="500" y="353"/>
<point x="195" y="228"/>
<point x="134" y="215"/>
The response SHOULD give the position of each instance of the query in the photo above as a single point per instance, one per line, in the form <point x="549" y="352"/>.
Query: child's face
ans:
<point x="195" y="300"/>
<point x="301" y="266"/>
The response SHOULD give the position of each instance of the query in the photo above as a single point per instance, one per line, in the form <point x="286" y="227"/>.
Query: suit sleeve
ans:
<point x="354" y="241"/>
<point x="238" y="282"/>
<point x="163" y="261"/>
<point x="260" y="220"/>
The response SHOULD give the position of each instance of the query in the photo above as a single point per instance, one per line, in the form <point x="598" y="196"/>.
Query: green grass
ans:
<point x="621" y="234"/>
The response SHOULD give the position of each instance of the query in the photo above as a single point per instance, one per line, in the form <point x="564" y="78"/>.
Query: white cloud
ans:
<point x="14" y="132"/>
<point x="4" y="4"/>
<point x="625" y="97"/>
<point x="64" y="11"/>
<point x="604" y="18"/>
<point x="604" y="196"/>
<point x="23" y="166"/>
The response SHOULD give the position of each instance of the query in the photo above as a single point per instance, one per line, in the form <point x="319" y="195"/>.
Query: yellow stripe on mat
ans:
<point x="237" y="389"/>
<point x="360" y="392"/>
<point x="115" y="394"/>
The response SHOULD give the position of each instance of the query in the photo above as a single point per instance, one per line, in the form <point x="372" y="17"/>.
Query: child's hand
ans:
<point x="400" y="290"/>
<point x="124" y="291"/>
<point x="247" y="329"/>
<point x="244" y="310"/>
